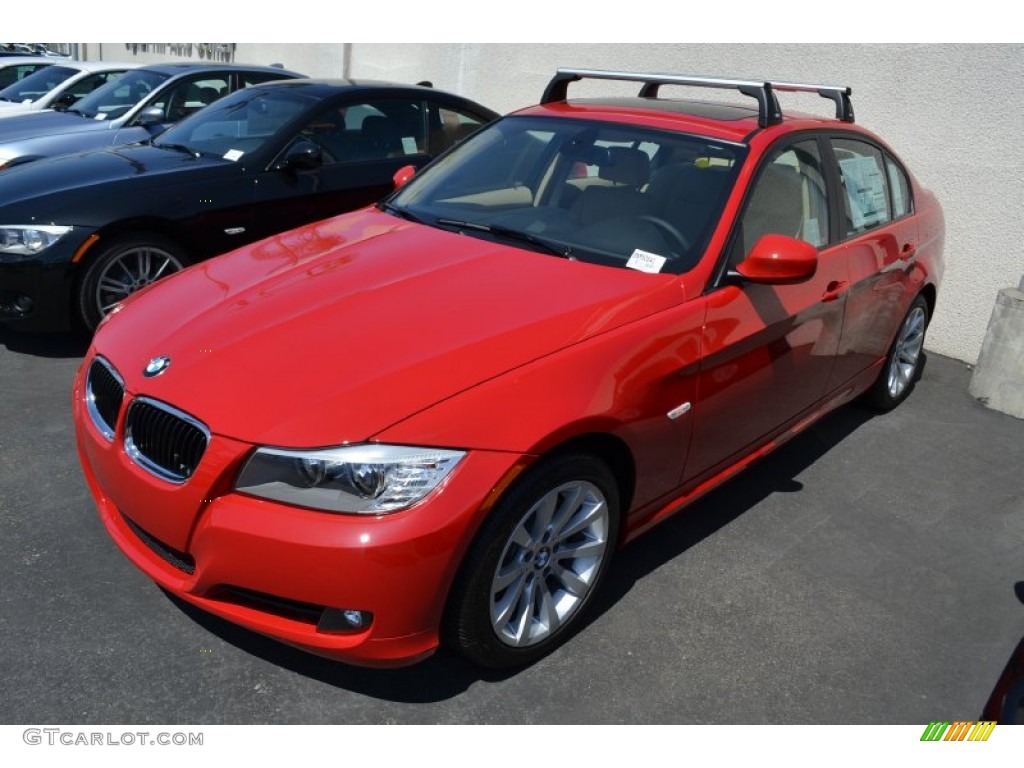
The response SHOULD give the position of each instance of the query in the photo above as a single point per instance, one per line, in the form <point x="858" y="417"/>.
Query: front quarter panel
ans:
<point x="622" y="383"/>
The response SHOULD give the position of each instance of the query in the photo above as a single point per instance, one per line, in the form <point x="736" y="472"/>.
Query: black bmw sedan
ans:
<point x="79" y="233"/>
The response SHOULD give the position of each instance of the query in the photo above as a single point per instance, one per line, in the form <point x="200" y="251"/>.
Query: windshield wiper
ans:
<point x="511" y="234"/>
<point x="401" y="213"/>
<point x="176" y="148"/>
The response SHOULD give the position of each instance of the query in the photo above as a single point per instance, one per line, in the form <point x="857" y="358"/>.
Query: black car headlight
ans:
<point x="19" y="241"/>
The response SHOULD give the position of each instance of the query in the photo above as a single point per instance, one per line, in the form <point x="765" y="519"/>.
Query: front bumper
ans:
<point x="35" y="293"/>
<point x="274" y="568"/>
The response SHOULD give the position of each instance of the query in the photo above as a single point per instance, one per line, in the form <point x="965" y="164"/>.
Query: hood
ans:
<point x="333" y="332"/>
<point x="64" y="188"/>
<point x="47" y="123"/>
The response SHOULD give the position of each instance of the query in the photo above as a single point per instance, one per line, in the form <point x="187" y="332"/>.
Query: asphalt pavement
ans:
<point x="867" y="572"/>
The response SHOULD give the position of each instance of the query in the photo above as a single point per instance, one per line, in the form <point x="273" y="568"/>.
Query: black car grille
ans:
<point x="180" y="560"/>
<point x="103" y="395"/>
<point x="163" y="440"/>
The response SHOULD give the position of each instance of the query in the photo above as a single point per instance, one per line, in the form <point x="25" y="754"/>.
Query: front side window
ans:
<point x="606" y="193"/>
<point x="789" y="198"/>
<point x="866" y="194"/>
<point x="188" y="96"/>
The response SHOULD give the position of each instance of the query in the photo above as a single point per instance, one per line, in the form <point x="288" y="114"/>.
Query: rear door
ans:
<point x="879" y="234"/>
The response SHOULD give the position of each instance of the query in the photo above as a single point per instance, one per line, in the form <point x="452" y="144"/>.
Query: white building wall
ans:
<point x="952" y="112"/>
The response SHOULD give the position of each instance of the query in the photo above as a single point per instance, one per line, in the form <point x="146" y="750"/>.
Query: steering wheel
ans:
<point x="675" y="237"/>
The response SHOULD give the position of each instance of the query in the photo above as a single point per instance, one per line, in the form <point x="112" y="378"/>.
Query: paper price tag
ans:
<point x="645" y="261"/>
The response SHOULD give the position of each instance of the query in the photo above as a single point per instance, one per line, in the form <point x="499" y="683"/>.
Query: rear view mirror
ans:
<point x="402" y="175"/>
<point x="777" y="259"/>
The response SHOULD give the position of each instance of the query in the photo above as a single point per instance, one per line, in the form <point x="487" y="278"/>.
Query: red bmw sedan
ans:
<point x="434" y="421"/>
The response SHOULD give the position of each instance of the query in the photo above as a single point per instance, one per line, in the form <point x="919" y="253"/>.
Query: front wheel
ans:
<point x="536" y="563"/>
<point x="122" y="267"/>
<point x="903" y="363"/>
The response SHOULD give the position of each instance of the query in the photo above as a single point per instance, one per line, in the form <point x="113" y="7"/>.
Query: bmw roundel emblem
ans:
<point x="157" y="366"/>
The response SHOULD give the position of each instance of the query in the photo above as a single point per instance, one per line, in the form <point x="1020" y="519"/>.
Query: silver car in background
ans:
<point x="58" y="86"/>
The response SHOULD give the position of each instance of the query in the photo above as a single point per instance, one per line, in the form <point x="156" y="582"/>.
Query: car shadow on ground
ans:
<point x="446" y="675"/>
<point x="55" y="345"/>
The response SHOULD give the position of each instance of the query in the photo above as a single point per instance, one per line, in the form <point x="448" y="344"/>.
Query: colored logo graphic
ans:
<point x="961" y="730"/>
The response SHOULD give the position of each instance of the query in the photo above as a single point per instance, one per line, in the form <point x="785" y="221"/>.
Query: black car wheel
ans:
<point x="903" y="363"/>
<point x="120" y="268"/>
<point x="536" y="563"/>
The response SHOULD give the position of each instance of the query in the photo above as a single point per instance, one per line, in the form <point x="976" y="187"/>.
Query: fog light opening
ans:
<point x="342" y="620"/>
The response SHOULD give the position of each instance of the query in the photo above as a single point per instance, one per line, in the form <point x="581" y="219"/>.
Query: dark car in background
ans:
<point x="135" y="107"/>
<point x="80" y="233"/>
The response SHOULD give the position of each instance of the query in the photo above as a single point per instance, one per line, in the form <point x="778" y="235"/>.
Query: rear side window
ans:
<point x="865" y="190"/>
<point x="899" y="186"/>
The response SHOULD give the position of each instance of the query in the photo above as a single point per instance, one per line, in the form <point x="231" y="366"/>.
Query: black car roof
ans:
<point x="325" y="87"/>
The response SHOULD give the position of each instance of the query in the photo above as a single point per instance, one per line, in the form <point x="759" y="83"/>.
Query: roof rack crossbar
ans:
<point x="768" y="110"/>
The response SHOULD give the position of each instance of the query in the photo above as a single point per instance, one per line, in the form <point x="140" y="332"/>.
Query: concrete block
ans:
<point x="998" y="378"/>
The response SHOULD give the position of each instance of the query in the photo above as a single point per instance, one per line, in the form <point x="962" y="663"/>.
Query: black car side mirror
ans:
<point x="302" y="156"/>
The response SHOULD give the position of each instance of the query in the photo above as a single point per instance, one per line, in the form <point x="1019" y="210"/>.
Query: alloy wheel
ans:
<point x="550" y="564"/>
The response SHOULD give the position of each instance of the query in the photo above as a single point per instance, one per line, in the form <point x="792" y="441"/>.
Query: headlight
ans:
<point x="366" y="479"/>
<point x="29" y="240"/>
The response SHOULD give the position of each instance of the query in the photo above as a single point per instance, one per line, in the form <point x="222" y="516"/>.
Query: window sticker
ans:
<point x="409" y="145"/>
<point x="233" y="154"/>
<point x="645" y="261"/>
<point x="100" y="116"/>
<point x="865" y="187"/>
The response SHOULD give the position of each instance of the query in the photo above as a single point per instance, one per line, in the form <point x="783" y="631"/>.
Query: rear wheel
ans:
<point x="122" y="267"/>
<point x="536" y="563"/>
<point x="903" y="364"/>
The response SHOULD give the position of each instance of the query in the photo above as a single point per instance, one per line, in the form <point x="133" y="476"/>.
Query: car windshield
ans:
<point x="602" y="192"/>
<point x="37" y="85"/>
<point x="239" y="124"/>
<point x="112" y="100"/>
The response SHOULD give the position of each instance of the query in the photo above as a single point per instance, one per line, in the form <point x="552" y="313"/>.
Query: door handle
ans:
<point x="834" y="290"/>
<point x="908" y="251"/>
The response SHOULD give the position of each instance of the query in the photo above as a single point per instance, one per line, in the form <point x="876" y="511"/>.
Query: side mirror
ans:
<point x="402" y="175"/>
<point x="777" y="259"/>
<point x="150" y="116"/>
<point x="302" y="156"/>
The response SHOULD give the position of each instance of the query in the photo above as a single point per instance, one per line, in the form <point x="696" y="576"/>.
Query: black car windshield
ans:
<point x="37" y="85"/>
<point x="602" y="192"/>
<point x="112" y="100"/>
<point x="239" y="124"/>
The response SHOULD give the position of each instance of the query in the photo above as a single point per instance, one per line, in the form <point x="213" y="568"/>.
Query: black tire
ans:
<point x="904" y="361"/>
<point x="133" y="261"/>
<point x="564" y="566"/>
